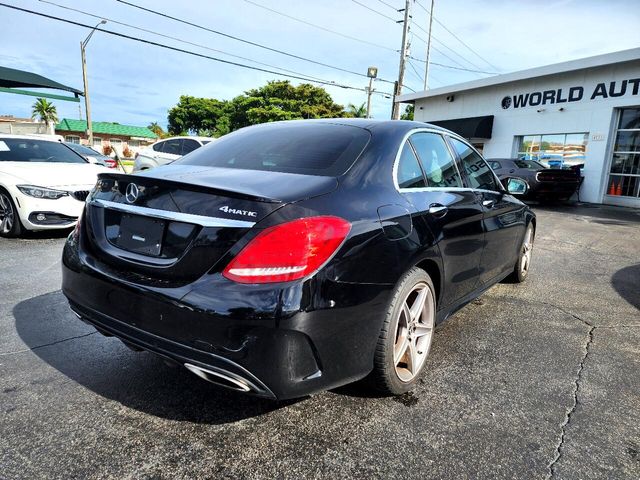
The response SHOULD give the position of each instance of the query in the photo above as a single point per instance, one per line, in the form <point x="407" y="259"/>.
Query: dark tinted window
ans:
<point x="528" y="164"/>
<point x="290" y="147"/>
<point x="173" y="147"/>
<point x="409" y="172"/>
<point x="478" y="172"/>
<point x="438" y="164"/>
<point x="189" y="146"/>
<point x="84" y="150"/>
<point x="158" y="146"/>
<point x="29" y="150"/>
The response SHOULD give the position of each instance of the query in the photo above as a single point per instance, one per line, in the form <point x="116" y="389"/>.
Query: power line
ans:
<point x="259" y="5"/>
<point x="458" y="38"/>
<point x="447" y="47"/>
<point x="374" y="10"/>
<point x="188" y="52"/>
<point x="451" y="66"/>
<point x="249" y="42"/>
<point x="389" y="5"/>
<point x="442" y="53"/>
<point x="116" y="22"/>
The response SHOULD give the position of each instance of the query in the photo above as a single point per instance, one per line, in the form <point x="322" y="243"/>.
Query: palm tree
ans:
<point x="46" y="111"/>
<point x="357" y="112"/>
<point x="157" y="129"/>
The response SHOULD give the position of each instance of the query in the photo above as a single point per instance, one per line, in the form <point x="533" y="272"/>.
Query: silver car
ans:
<point x="167" y="150"/>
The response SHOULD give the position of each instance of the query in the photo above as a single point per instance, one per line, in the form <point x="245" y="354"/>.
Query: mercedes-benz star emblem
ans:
<point x="132" y="193"/>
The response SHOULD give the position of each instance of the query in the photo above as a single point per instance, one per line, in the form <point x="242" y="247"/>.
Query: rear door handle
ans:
<point x="488" y="203"/>
<point x="438" y="210"/>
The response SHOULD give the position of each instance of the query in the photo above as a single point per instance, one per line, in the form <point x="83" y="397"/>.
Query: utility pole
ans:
<point x="372" y="72"/>
<point x="426" y="71"/>
<point x="395" y="115"/>
<point x="87" y="104"/>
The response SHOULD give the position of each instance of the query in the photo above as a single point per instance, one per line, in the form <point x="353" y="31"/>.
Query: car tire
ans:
<point x="406" y="335"/>
<point x="521" y="268"/>
<point x="10" y="225"/>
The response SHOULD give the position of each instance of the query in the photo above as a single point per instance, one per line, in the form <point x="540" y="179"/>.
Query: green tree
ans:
<point x="45" y="111"/>
<point x="408" y="113"/>
<point x="357" y="111"/>
<point x="275" y="101"/>
<point x="157" y="129"/>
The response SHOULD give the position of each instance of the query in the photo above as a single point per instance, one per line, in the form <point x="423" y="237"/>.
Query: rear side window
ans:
<point x="289" y="147"/>
<point x="479" y="174"/>
<point x="189" y="146"/>
<point x="438" y="164"/>
<point x="158" y="146"/>
<point x="409" y="173"/>
<point x="173" y="147"/>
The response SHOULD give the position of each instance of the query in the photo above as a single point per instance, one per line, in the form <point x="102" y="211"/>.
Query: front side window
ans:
<point x="409" y="173"/>
<point x="28" y="150"/>
<point x="479" y="174"/>
<point x="439" y="166"/>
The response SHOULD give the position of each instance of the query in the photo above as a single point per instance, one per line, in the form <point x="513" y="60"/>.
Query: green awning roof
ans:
<point x="104" y="128"/>
<point x="12" y="78"/>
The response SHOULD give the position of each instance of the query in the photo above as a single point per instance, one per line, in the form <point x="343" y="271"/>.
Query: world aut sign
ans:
<point x="573" y="94"/>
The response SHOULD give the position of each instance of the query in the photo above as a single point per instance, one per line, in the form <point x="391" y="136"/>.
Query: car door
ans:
<point x="453" y="216"/>
<point x="503" y="215"/>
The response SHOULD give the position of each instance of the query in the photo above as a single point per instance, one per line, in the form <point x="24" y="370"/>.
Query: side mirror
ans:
<point x="515" y="186"/>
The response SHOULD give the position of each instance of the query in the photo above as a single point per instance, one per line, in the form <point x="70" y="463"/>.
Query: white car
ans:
<point x="167" y="150"/>
<point x="43" y="184"/>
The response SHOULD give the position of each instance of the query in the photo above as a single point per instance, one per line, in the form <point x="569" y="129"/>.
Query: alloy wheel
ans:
<point x="7" y="215"/>
<point x="414" y="332"/>
<point x="527" y="247"/>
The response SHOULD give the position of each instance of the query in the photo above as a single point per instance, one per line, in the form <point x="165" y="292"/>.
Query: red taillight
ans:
<point x="111" y="163"/>
<point x="288" y="251"/>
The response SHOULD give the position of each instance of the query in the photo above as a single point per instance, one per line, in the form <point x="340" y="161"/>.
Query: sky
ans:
<point x="135" y="83"/>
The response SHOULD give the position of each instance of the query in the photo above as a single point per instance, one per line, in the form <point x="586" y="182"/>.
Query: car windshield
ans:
<point x="528" y="164"/>
<point x="307" y="148"/>
<point x="33" y="150"/>
<point x="82" y="150"/>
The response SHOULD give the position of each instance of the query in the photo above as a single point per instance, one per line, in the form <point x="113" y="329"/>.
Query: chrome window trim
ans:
<point x="175" y="216"/>
<point x="399" y="153"/>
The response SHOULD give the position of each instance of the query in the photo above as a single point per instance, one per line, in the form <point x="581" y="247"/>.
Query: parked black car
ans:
<point x="92" y="156"/>
<point x="289" y="258"/>
<point x="544" y="183"/>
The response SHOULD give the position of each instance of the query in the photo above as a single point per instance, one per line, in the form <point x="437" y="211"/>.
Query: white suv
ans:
<point x="43" y="184"/>
<point x="167" y="150"/>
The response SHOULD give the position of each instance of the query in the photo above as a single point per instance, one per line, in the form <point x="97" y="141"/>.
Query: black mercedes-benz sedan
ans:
<point x="294" y="257"/>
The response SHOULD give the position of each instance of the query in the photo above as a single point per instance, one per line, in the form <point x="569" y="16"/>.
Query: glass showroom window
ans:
<point x="624" y="177"/>
<point x="558" y="150"/>
<point x="72" y="139"/>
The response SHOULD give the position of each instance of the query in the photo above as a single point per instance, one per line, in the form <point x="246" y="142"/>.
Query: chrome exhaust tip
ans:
<point x="222" y="378"/>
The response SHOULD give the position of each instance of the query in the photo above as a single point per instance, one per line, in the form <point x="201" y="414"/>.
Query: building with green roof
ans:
<point x="116" y="135"/>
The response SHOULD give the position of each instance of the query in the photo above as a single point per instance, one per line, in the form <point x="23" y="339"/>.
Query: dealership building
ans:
<point x="580" y="113"/>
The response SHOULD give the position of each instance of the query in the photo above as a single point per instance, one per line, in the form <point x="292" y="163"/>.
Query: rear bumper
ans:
<point x="279" y="342"/>
<point x="554" y="189"/>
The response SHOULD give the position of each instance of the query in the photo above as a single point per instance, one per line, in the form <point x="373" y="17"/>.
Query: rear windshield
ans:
<point x="306" y="148"/>
<point x="31" y="150"/>
<point x="82" y="150"/>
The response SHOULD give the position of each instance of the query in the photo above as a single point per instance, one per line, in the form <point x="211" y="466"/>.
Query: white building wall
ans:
<point x="593" y="116"/>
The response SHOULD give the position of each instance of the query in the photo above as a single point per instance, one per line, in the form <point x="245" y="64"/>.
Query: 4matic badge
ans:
<point x="246" y="213"/>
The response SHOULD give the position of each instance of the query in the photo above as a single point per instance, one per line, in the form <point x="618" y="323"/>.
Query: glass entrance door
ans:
<point x="624" y="176"/>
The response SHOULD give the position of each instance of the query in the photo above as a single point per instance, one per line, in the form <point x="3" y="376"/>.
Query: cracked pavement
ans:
<point x="540" y="380"/>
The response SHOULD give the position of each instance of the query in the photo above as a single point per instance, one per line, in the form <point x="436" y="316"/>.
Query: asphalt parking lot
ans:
<point x="530" y="381"/>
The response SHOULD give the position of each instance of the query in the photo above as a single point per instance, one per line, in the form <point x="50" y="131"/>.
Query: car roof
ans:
<point x="48" y="138"/>
<point x="186" y="136"/>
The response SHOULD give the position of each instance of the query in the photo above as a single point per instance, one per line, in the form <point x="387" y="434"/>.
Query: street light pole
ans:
<point x="87" y="104"/>
<point x="372" y="72"/>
